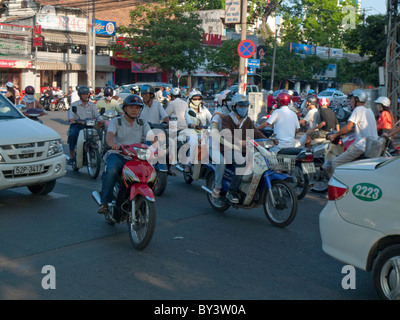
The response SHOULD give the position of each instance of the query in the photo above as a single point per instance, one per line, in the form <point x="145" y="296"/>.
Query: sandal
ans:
<point x="215" y="193"/>
<point x="171" y="173"/>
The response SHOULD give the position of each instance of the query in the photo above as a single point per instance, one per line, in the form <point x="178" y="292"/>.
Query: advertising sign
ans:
<point x="232" y="11"/>
<point x="325" y="52"/>
<point x="63" y="23"/>
<point x="107" y="28"/>
<point x="15" y="44"/>
<point x="302" y="48"/>
<point x="15" y="64"/>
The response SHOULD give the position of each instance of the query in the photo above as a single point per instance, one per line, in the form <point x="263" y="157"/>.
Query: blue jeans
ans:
<point x="114" y="165"/>
<point x="218" y="160"/>
<point x="73" y="135"/>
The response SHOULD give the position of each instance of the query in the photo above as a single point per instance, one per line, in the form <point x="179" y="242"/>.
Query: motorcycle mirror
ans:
<point x="74" y="109"/>
<point x="192" y="113"/>
<point x="21" y="107"/>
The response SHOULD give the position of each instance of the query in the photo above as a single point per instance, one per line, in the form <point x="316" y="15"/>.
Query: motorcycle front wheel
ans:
<point x="60" y="106"/>
<point x="93" y="162"/>
<point x="280" y="204"/>
<point x="160" y="184"/>
<point x="143" y="222"/>
<point x="319" y="181"/>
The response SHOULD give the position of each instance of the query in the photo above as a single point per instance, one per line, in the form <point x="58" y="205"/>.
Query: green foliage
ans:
<point x="165" y="37"/>
<point x="225" y="58"/>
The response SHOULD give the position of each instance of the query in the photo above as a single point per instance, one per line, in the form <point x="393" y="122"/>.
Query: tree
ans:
<point x="317" y="22"/>
<point x="164" y="36"/>
<point x="225" y="58"/>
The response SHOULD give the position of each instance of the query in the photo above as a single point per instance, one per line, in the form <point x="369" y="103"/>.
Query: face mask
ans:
<point x="242" y="112"/>
<point x="108" y="98"/>
<point x="196" y="103"/>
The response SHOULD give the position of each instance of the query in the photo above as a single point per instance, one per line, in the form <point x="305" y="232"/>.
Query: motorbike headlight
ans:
<point x="55" y="146"/>
<point x="142" y="154"/>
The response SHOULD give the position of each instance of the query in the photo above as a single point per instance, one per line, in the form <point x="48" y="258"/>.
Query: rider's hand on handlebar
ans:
<point x="115" y="146"/>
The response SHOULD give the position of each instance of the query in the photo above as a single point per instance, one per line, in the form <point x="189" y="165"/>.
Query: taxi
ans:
<point x="360" y="224"/>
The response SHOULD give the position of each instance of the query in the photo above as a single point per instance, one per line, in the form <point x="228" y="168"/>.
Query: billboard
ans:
<point x="302" y="48"/>
<point x="232" y="11"/>
<point x="107" y="28"/>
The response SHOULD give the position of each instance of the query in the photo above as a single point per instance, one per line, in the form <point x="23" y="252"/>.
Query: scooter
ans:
<point x="133" y="199"/>
<point x="32" y="113"/>
<point x="263" y="186"/>
<point x="88" y="146"/>
<point x="107" y="117"/>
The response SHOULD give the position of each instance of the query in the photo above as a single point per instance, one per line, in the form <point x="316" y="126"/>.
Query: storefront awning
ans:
<point x="69" y="66"/>
<point x="66" y="38"/>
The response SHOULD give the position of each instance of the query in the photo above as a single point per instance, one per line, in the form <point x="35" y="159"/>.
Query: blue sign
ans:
<point x="302" y="48"/>
<point x="255" y="63"/>
<point x="251" y="71"/>
<point x="107" y="28"/>
<point x="246" y="48"/>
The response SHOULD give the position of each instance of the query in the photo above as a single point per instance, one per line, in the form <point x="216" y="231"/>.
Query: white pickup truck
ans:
<point x="31" y="154"/>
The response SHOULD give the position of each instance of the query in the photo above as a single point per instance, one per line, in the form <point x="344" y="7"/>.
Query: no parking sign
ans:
<point x="246" y="48"/>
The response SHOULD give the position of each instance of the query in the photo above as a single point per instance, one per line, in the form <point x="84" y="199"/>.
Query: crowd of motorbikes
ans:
<point x="276" y="181"/>
<point x="56" y="102"/>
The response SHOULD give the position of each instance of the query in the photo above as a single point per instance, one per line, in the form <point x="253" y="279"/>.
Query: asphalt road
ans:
<point x="196" y="253"/>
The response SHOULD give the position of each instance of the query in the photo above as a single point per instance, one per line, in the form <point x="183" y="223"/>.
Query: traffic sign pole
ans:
<point x="243" y="37"/>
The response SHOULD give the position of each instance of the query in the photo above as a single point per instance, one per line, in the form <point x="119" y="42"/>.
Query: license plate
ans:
<point x="18" y="170"/>
<point x="308" y="167"/>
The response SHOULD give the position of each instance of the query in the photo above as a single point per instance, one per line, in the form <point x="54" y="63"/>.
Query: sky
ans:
<point x="374" y="6"/>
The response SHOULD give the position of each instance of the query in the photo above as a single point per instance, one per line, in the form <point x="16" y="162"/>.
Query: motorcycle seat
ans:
<point x="290" y="151"/>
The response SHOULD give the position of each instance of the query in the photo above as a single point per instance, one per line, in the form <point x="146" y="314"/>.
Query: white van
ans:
<point x="31" y="154"/>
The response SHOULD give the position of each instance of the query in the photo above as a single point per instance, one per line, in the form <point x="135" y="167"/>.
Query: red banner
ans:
<point x="22" y="64"/>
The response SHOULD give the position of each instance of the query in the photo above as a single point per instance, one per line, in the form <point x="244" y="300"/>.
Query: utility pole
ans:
<point x="273" y="60"/>
<point x="91" y="46"/>
<point x="392" y="80"/>
<point x="242" y="61"/>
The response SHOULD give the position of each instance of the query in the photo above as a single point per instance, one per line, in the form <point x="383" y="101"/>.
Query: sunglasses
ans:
<point x="196" y="99"/>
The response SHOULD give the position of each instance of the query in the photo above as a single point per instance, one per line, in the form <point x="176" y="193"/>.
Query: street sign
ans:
<point x="251" y="71"/>
<point x="255" y="63"/>
<point x="246" y="48"/>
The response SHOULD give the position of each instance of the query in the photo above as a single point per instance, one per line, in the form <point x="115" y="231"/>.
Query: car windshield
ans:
<point x="7" y="110"/>
<point x="326" y="93"/>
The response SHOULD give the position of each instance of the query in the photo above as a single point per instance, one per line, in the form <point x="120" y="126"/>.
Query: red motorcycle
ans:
<point x="133" y="199"/>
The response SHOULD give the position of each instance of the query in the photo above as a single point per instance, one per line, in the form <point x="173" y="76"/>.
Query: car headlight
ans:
<point x="1" y="159"/>
<point x="55" y="146"/>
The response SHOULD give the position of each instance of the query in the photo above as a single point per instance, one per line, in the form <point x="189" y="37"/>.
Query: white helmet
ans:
<point x="176" y="92"/>
<point x="290" y="92"/>
<point x="240" y="99"/>
<point x="360" y="94"/>
<point x="195" y="93"/>
<point x="222" y="96"/>
<point x="10" y="84"/>
<point x="384" y="101"/>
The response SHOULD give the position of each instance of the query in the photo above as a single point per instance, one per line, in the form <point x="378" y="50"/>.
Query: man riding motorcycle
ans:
<point x="85" y="110"/>
<point x="284" y="121"/>
<point x="237" y="119"/>
<point x="363" y="120"/>
<point x="108" y="103"/>
<point x="126" y="129"/>
<point x="177" y="107"/>
<point x="152" y="111"/>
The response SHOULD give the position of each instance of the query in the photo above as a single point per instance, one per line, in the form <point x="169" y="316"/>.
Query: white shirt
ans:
<point x="285" y="124"/>
<point x="365" y="125"/>
<point x="178" y="108"/>
<point x="153" y="114"/>
<point x="313" y="118"/>
<point x="74" y="96"/>
<point x="203" y="117"/>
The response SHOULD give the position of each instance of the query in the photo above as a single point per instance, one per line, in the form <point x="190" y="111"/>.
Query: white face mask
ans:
<point x="196" y="103"/>
<point x="108" y="98"/>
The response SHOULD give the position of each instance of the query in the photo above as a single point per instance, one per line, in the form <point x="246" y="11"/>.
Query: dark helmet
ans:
<point x="133" y="100"/>
<point x="29" y="90"/>
<point x="313" y="100"/>
<point x="147" y="89"/>
<point x="108" y="92"/>
<point x="283" y="99"/>
<point x="83" y="90"/>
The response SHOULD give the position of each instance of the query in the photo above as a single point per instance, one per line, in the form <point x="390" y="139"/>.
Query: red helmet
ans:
<point x="323" y="101"/>
<point x="283" y="99"/>
<point x="30" y="90"/>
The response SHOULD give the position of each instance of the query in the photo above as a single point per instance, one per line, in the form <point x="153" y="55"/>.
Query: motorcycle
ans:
<point x="45" y="100"/>
<point x="341" y="110"/>
<point x="319" y="180"/>
<point x="297" y="162"/>
<point x="88" y="148"/>
<point x="263" y="186"/>
<point x="32" y="113"/>
<point x="133" y="199"/>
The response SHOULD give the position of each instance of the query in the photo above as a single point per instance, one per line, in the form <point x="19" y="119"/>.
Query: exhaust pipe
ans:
<point x="96" y="197"/>
<point x="206" y="189"/>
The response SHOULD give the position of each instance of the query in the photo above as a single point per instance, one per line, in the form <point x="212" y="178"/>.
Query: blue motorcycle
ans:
<point x="263" y="186"/>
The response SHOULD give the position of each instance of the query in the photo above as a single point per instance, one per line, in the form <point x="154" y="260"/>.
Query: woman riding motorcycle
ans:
<point x="29" y="99"/>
